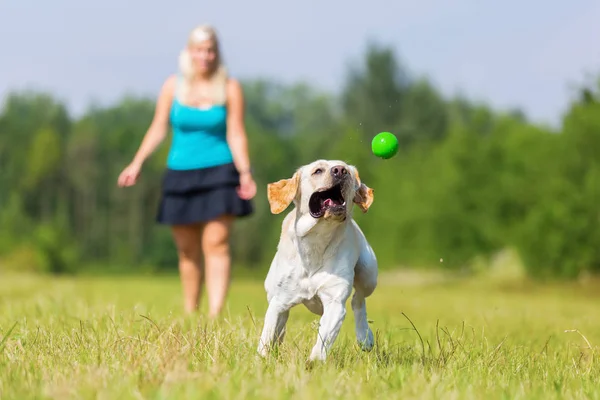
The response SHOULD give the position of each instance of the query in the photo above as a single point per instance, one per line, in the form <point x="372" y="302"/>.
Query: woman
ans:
<point x="208" y="181"/>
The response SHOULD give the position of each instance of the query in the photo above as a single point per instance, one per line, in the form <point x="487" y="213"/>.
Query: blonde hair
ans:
<point x="219" y="76"/>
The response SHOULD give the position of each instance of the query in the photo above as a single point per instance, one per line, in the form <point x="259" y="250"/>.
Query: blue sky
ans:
<point x="511" y="53"/>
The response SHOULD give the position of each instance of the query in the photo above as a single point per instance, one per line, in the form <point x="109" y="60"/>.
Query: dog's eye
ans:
<point x="318" y="171"/>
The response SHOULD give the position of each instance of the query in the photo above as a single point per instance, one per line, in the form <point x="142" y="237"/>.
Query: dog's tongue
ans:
<point x="327" y="203"/>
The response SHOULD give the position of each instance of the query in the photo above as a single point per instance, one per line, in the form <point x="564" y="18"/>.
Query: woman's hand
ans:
<point x="247" y="188"/>
<point x="129" y="175"/>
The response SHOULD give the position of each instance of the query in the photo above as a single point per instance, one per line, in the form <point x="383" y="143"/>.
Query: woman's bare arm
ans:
<point x="236" y="131"/>
<point x="160" y="123"/>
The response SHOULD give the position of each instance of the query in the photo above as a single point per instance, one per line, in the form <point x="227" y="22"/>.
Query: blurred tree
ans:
<point x="468" y="182"/>
<point x="373" y="96"/>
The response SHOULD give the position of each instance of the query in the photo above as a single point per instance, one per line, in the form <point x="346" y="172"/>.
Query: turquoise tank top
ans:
<point x="199" y="137"/>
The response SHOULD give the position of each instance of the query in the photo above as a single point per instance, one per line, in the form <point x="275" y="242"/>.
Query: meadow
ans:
<point x="127" y="338"/>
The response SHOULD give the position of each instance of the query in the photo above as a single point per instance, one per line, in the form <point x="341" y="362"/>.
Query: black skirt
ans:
<point x="201" y="195"/>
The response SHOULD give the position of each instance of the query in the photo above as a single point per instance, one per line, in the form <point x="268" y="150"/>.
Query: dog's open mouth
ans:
<point x="328" y="199"/>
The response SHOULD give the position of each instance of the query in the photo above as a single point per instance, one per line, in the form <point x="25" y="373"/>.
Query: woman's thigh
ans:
<point x="188" y="239"/>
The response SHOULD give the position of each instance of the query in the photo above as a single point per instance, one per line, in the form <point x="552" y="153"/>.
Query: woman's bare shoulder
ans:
<point x="168" y="87"/>
<point x="170" y="81"/>
<point x="234" y="88"/>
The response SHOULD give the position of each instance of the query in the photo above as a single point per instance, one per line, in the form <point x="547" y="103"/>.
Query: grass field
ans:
<point x="126" y="338"/>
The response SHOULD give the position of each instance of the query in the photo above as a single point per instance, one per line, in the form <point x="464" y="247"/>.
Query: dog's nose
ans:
<point x="338" y="171"/>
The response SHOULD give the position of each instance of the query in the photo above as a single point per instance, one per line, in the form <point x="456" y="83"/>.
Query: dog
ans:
<point x="321" y="255"/>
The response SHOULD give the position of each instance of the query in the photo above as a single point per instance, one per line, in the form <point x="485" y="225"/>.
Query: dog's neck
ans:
<point x="304" y="224"/>
<point x="314" y="236"/>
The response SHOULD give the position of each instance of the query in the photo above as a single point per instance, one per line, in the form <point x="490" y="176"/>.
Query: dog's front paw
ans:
<point x="262" y="350"/>
<point x="367" y="342"/>
<point x="317" y="354"/>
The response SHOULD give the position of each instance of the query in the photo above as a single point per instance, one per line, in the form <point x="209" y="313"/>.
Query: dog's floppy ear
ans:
<point x="281" y="193"/>
<point x="364" y="195"/>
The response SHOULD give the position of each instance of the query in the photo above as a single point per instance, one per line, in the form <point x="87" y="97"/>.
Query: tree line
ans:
<point x="468" y="181"/>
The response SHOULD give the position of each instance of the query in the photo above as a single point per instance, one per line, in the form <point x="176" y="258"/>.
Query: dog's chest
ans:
<point x="308" y="286"/>
<point x="321" y="261"/>
<point x="318" y="248"/>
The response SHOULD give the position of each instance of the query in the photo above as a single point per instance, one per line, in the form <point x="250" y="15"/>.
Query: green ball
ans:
<point x="384" y="145"/>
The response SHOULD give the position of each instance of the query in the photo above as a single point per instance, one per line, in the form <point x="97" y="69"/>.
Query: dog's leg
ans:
<point x="334" y="313"/>
<point x="274" y="326"/>
<point x="280" y="327"/>
<point x="364" y="335"/>
<point x="365" y="282"/>
<point x="365" y="271"/>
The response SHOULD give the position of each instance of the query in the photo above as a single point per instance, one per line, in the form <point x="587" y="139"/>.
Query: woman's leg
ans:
<point x="188" y="242"/>
<point x="217" y="261"/>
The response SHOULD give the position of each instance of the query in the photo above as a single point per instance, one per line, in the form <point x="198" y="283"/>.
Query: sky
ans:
<point x="523" y="54"/>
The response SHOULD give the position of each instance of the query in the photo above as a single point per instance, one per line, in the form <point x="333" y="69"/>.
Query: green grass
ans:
<point x="126" y="338"/>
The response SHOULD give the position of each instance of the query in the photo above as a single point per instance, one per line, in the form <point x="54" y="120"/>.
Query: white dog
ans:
<point x="322" y="254"/>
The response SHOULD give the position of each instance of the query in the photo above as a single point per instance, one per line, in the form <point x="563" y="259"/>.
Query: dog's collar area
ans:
<point x="327" y="199"/>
